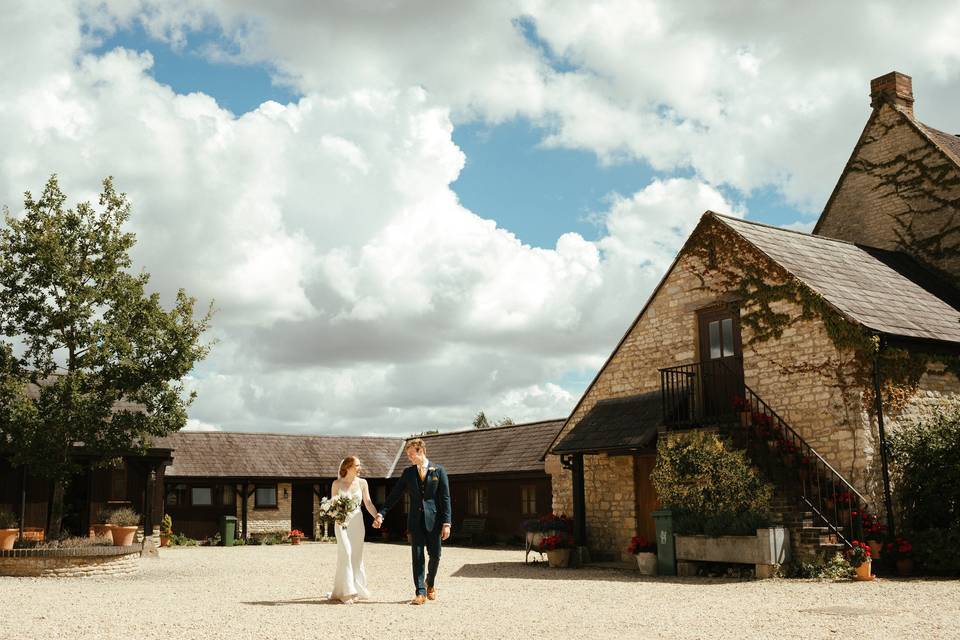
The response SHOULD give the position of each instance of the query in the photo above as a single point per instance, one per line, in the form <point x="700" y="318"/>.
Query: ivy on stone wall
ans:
<point x="770" y="300"/>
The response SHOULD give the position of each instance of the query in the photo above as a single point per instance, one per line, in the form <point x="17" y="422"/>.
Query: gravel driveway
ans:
<point x="277" y="592"/>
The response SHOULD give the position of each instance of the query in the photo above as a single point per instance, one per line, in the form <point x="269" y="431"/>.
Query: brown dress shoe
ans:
<point x="431" y="593"/>
<point x="419" y="599"/>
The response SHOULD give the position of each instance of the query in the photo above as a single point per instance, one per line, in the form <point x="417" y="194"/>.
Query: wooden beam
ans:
<point x="246" y="497"/>
<point x="579" y="503"/>
<point x="23" y="499"/>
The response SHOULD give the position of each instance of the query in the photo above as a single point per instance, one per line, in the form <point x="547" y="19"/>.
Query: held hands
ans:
<point x="445" y="533"/>
<point x="377" y="521"/>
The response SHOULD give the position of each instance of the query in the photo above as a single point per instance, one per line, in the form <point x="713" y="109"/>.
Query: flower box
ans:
<point x="768" y="548"/>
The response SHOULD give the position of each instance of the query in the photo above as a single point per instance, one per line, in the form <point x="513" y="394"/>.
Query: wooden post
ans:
<point x="579" y="503"/>
<point x="243" y="507"/>
<point x="23" y="499"/>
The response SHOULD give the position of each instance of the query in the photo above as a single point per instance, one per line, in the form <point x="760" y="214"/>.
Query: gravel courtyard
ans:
<point x="278" y="592"/>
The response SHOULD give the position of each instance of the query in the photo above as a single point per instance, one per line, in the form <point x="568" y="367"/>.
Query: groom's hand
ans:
<point x="445" y="532"/>
<point x="377" y="521"/>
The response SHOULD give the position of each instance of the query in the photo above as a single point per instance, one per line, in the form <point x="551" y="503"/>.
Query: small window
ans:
<point x="118" y="483"/>
<point x="201" y="496"/>
<point x="406" y="503"/>
<point x="265" y="497"/>
<point x="177" y="495"/>
<point x="528" y="500"/>
<point x="381" y="493"/>
<point x="477" y="498"/>
<point x="228" y="497"/>
<point x="726" y="328"/>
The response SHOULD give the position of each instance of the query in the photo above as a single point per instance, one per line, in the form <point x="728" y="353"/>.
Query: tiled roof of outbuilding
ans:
<point x="885" y="291"/>
<point x="262" y="455"/>
<point x="511" y="449"/>
<point x="615" y="424"/>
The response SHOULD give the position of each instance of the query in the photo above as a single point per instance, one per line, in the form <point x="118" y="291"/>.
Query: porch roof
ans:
<point x="615" y="424"/>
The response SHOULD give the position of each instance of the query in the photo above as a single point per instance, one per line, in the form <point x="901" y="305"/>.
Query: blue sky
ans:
<point x="536" y="192"/>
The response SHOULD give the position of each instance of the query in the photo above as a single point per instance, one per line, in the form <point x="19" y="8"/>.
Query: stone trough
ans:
<point x="766" y="550"/>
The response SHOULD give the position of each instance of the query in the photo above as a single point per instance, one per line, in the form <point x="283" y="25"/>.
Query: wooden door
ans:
<point x="647" y="500"/>
<point x="721" y="362"/>
<point x="301" y="508"/>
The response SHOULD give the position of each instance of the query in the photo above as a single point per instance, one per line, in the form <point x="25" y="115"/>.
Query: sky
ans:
<point x="408" y="212"/>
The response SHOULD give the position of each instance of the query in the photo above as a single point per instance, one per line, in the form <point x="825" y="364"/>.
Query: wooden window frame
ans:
<point x="477" y="501"/>
<point x="256" y="496"/>
<point x="528" y="500"/>
<point x="202" y="486"/>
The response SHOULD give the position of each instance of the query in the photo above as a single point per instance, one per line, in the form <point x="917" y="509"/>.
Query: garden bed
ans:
<point x="71" y="561"/>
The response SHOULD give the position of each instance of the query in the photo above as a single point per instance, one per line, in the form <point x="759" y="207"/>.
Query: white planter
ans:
<point x="647" y="563"/>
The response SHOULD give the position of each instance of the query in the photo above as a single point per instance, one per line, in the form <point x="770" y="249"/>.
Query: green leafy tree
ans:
<point x="480" y="421"/>
<point x="87" y="355"/>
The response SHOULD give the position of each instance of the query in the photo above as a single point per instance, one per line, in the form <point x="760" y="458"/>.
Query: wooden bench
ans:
<point x="471" y="528"/>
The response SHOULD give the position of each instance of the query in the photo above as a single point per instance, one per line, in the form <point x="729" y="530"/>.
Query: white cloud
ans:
<point x="355" y="293"/>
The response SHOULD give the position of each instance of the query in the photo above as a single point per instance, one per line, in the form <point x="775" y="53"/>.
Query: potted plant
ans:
<point x="9" y="530"/>
<point x="533" y="533"/>
<point x="101" y="527"/>
<point x="859" y="557"/>
<point x="295" y="536"/>
<point x="166" y="530"/>
<point x="742" y="408"/>
<point x="804" y="469"/>
<point x="901" y="550"/>
<point x="873" y="531"/>
<point x="557" y="548"/>
<point x="645" y="553"/>
<point x="123" y="526"/>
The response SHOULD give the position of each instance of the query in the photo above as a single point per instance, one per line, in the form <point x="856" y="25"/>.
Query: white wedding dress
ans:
<point x="351" y="578"/>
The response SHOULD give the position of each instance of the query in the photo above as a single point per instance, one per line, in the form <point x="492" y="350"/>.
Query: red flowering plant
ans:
<point x="873" y="529"/>
<point x="295" y="533"/>
<point x="842" y="498"/>
<point x="858" y="554"/>
<point x="740" y="404"/>
<point x="640" y="544"/>
<point x="559" y="541"/>
<point x="899" y="548"/>
<point x="554" y="522"/>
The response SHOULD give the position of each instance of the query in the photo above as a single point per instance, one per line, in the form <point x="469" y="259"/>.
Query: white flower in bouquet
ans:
<point x="338" y="509"/>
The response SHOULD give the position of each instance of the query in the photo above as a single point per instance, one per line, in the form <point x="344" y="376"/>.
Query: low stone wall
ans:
<point x="75" y="562"/>
<point x="770" y="547"/>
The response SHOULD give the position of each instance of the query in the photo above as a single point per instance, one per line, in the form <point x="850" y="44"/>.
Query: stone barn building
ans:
<point x="796" y="332"/>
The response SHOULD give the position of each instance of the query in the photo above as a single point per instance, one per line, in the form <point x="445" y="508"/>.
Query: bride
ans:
<point x="350" y="583"/>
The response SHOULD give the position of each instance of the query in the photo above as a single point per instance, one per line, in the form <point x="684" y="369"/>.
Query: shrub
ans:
<point x="8" y="520"/>
<point x="925" y="457"/>
<point x="180" y="540"/>
<point x="711" y="488"/>
<point x="166" y="525"/>
<point x="934" y="550"/>
<point x="124" y="517"/>
<point x="834" y="568"/>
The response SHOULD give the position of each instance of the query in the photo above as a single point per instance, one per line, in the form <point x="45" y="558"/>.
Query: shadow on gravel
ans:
<point x="542" y="571"/>
<point x="300" y="601"/>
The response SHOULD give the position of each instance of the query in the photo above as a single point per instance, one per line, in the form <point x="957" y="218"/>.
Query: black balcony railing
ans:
<point x="714" y="394"/>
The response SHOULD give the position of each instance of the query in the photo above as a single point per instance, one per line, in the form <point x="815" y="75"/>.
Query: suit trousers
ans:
<point x="428" y="541"/>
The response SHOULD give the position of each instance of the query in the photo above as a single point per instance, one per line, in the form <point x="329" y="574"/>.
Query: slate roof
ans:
<point x="615" y="424"/>
<point x="947" y="142"/>
<point x="885" y="291"/>
<point x="512" y="449"/>
<point x="261" y="455"/>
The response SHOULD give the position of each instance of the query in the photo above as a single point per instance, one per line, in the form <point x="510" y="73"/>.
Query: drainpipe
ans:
<point x="878" y="401"/>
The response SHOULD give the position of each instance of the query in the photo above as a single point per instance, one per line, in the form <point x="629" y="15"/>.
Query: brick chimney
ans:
<point x="894" y="88"/>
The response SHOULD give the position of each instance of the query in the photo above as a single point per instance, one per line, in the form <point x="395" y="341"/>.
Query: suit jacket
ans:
<point x="429" y="499"/>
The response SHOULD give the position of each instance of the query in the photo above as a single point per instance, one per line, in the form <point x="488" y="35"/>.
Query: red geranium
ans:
<point x="639" y="544"/>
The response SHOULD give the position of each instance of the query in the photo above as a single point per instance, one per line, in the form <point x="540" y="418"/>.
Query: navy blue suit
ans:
<point x="429" y="511"/>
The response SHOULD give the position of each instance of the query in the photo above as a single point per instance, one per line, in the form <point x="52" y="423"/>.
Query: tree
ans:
<point x="89" y="336"/>
<point x="480" y="421"/>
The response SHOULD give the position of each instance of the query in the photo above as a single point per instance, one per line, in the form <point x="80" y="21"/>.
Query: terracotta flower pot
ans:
<point x="294" y="540"/>
<point x="165" y="539"/>
<point x="905" y="567"/>
<point x="7" y="538"/>
<point x="558" y="557"/>
<point x="123" y="536"/>
<point x="863" y="572"/>
<point x="876" y="546"/>
<point x="102" y="531"/>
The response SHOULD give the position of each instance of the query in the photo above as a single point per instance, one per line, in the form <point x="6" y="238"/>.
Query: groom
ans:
<point x="429" y="519"/>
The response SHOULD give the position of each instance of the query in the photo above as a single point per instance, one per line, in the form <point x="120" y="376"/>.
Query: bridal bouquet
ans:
<point x="337" y="509"/>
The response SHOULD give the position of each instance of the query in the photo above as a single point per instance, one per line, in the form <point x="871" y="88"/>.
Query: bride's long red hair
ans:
<point x="348" y="463"/>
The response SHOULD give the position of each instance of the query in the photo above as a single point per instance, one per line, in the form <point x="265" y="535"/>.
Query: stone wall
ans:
<point x="811" y="400"/>
<point x="268" y="518"/>
<point x="70" y="563"/>
<point x="884" y="200"/>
